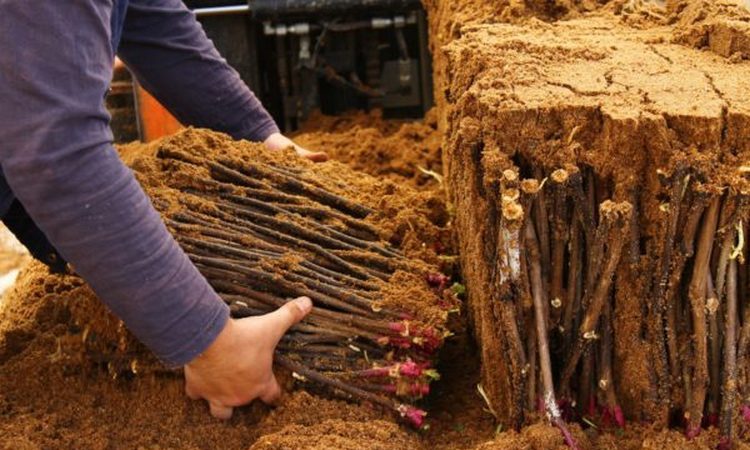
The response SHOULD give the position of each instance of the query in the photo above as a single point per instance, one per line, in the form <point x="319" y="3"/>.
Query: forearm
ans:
<point x="99" y="218"/>
<point x="58" y="159"/>
<point x="173" y="59"/>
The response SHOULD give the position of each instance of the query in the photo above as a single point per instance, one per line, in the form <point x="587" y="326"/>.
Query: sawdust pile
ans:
<point x="721" y="26"/>
<point x="401" y="151"/>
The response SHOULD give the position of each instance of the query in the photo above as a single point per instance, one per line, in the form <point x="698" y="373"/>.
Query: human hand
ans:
<point x="278" y="141"/>
<point x="236" y="368"/>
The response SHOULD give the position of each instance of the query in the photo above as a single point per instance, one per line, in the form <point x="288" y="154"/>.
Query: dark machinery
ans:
<point x="332" y="55"/>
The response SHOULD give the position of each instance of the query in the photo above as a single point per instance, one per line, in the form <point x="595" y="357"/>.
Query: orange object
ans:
<point x="153" y="118"/>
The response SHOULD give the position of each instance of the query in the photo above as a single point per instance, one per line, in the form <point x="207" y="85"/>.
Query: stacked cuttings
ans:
<point x="698" y="328"/>
<point x="557" y="255"/>
<point x="263" y="233"/>
<point x="563" y="244"/>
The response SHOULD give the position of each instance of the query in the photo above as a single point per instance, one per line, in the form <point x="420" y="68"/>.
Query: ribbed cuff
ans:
<point x="260" y="132"/>
<point x="215" y="323"/>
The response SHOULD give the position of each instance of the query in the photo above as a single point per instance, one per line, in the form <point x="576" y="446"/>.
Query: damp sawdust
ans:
<point x="399" y="150"/>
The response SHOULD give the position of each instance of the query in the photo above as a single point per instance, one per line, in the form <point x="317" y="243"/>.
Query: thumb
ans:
<point x="289" y="314"/>
<point x="272" y="393"/>
<point x="220" y="411"/>
<point x="190" y="391"/>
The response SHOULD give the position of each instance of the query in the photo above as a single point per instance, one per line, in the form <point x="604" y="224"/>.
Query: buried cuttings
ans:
<point x="599" y="179"/>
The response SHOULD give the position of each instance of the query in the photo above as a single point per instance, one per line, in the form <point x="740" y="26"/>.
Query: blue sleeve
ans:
<point x="171" y="56"/>
<point x="56" y="153"/>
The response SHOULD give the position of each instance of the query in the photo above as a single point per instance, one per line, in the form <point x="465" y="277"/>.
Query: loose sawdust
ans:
<point x="53" y="395"/>
<point x="400" y="151"/>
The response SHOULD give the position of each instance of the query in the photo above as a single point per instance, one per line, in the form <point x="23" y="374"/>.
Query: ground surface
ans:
<point x="506" y="73"/>
<point x="52" y="397"/>
<point x="398" y="150"/>
<point x="55" y="394"/>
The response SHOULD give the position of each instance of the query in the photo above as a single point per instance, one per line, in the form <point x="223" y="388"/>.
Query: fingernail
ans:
<point x="304" y="304"/>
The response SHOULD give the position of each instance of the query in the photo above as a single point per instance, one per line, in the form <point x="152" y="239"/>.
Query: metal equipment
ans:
<point x="332" y="55"/>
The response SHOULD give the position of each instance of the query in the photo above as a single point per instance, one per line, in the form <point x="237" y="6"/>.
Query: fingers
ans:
<point x="272" y="394"/>
<point x="278" y="141"/>
<point x="289" y="314"/>
<point x="315" y="156"/>
<point x="220" y="411"/>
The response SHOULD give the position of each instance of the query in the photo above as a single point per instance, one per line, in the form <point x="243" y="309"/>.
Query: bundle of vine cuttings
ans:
<point x="263" y="234"/>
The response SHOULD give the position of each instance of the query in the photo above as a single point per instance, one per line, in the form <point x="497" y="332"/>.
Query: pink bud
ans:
<point x="591" y="410"/>
<point x="390" y="388"/>
<point x="745" y="411"/>
<point x="422" y="389"/>
<point x="437" y="280"/>
<point x="427" y="339"/>
<point x="396" y="341"/>
<point x="692" y="432"/>
<point x="411" y="369"/>
<point x="540" y="406"/>
<point x="418" y="389"/>
<point x="433" y="344"/>
<point x="619" y="417"/>
<point x="567" y="409"/>
<point x="415" y="416"/>
<point x="397" y="327"/>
